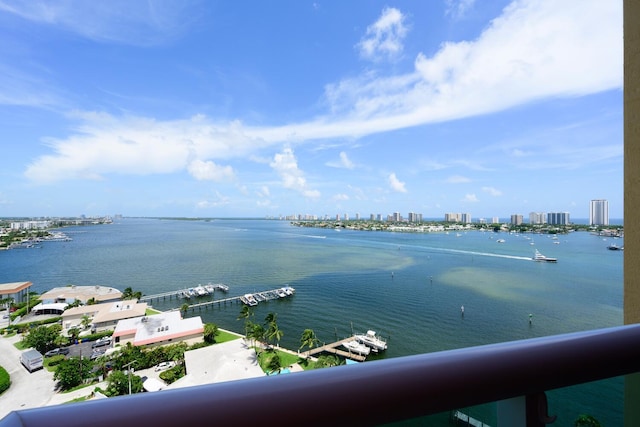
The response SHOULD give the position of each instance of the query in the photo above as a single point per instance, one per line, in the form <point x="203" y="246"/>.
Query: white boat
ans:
<point x="201" y="291"/>
<point x="209" y="288"/>
<point x="221" y="287"/>
<point x="280" y="292"/>
<point x="356" y="347"/>
<point x="288" y="290"/>
<point x="370" y="339"/>
<point x="500" y="241"/>
<point x="541" y="258"/>
<point x="249" y="300"/>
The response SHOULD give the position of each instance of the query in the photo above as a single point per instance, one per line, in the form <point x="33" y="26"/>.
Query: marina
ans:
<point x="250" y="299"/>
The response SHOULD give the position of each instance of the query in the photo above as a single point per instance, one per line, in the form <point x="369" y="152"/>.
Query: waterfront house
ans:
<point x="72" y="293"/>
<point x="103" y="316"/>
<point x="16" y="291"/>
<point x="159" y="329"/>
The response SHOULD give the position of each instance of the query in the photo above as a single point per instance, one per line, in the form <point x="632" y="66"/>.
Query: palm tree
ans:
<point x="275" y="332"/>
<point x="246" y="313"/>
<point x="210" y="332"/>
<point x="183" y="308"/>
<point x="308" y="339"/>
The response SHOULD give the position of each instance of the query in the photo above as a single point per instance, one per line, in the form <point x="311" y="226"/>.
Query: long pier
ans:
<point x="333" y="349"/>
<point x="179" y="294"/>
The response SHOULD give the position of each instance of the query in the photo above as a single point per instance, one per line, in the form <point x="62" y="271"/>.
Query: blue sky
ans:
<point x="249" y="108"/>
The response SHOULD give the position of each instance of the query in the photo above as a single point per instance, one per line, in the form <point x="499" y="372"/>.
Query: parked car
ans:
<point x="56" y="351"/>
<point x="164" y="365"/>
<point x="101" y="342"/>
<point x="96" y="353"/>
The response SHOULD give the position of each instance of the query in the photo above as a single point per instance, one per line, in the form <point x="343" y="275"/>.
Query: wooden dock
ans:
<point x="333" y="349"/>
<point x="260" y="296"/>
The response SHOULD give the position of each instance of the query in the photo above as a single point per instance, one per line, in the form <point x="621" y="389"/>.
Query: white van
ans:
<point x="31" y="359"/>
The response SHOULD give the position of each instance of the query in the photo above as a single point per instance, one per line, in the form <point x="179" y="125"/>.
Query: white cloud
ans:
<point x="219" y="200"/>
<point x="535" y="49"/>
<point x="121" y="21"/>
<point x="340" y="197"/>
<point x="492" y="191"/>
<point x="286" y="165"/>
<point x="457" y="8"/>
<point x="263" y="191"/>
<point x="209" y="171"/>
<point x="458" y="179"/>
<point x="470" y="198"/>
<point x="396" y="184"/>
<point x="344" y="162"/>
<point x="384" y="38"/>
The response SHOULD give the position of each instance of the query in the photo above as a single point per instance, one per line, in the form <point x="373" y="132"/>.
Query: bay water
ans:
<point x="408" y="287"/>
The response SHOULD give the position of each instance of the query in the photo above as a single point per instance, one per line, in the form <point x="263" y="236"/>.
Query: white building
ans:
<point x="599" y="212"/>
<point x="159" y="329"/>
<point x="103" y="316"/>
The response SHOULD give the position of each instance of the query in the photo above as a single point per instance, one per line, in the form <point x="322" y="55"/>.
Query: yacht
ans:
<point x="249" y="300"/>
<point x="539" y="257"/>
<point x="356" y="347"/>
<point x="370" y="339"/>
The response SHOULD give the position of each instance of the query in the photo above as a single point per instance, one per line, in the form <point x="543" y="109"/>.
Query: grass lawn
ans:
<point x="286" y="359"/>
<point x="224" y="336"/>
<point x="151" y="311"/>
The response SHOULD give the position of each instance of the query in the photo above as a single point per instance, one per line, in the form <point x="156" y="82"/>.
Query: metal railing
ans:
<point x="370" y="393"/>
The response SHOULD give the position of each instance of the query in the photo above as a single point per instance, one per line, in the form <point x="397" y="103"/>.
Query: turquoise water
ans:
<point x="407" y="287"/>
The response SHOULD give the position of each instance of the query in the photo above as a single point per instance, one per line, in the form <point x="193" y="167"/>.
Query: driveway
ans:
<point x="28" y="390"/>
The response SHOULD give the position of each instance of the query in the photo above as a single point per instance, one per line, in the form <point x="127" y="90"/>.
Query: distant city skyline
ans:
<point x="254" y="109"/>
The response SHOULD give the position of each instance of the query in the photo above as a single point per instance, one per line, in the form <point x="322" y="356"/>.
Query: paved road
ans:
<point x="28" y="390"/>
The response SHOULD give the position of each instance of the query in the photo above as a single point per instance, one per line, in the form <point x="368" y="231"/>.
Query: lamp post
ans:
<point x="129" y="372"/>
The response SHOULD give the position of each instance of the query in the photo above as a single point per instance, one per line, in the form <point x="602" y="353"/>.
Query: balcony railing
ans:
<point x="370" y="393"/>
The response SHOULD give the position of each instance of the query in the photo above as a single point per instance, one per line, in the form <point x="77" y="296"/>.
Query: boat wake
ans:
<point x="488" y="254"/>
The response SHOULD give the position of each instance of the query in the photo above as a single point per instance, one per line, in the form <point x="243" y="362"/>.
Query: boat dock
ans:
<point x="333" y="349"/>
<point x="181" y="292"/>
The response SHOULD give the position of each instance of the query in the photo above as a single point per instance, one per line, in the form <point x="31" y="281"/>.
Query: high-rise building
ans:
<point x="599" y="212"/>
<point x="558" y="218"/>
<point x="516" y="219"/>
<point x="537" y="218"/>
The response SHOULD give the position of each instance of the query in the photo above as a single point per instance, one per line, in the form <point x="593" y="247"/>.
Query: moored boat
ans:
<point x="370" y="339"/>
<point x="249" y="300"/>
<point x="356" y="347"/>
<point x="288" y="290"/>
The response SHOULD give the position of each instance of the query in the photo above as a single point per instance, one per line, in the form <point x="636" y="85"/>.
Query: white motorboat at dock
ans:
<point x="370" y="339"/>
<point x="355" y="347"/>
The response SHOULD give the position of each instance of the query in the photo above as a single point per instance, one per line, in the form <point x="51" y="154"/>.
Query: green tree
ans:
<point x="274" y="332"/>
<point x="85" y="322"/>
<point x="210" y="332"/>
<point x="308" y="339"/>
<point x="184" y="308"/>
<point x="118" y="383"/>
<point x="585" y="420"/>
<point x="43" y="337"/>
<point x="257" y="332"/>
<point x="129" y="293"/>
<point x="327" y="360"/>
<point x="72" y="372"/>
<point x="73" y="333"/>
<point x="246" y="313"/>
<point x="274" y="363"/>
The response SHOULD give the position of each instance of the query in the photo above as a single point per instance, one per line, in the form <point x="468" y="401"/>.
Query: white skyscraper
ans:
<point x="599" y="212"/>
